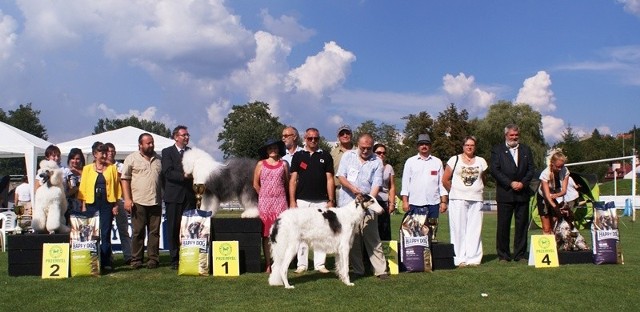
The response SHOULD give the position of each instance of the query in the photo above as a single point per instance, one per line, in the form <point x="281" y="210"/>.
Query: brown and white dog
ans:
<point x="330" y="230"/>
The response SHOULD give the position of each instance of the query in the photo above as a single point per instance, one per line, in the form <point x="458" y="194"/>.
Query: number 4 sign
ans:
<point x="544" y="252"/>
<point x="55" y="260"/>
<point x="226" y="259"/>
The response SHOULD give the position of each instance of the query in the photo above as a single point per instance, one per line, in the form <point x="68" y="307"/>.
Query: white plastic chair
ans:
<point x="8" y="223"/>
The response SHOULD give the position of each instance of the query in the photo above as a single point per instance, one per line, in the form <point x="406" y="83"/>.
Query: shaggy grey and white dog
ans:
<point x="223" y="182"/>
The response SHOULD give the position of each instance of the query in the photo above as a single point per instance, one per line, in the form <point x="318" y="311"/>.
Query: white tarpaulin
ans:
<point x="17" y="143"/>
<point x="124" y="139"/>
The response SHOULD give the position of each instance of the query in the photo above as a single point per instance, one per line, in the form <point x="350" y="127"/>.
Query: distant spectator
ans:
<point x="23" y="195"/>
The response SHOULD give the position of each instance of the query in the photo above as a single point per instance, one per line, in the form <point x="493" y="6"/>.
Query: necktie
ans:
<point x="181" y="152"/>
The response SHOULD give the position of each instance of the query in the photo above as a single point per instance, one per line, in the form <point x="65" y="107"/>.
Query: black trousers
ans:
<point x="505" y="213"/>
<point x="174" y="217"/>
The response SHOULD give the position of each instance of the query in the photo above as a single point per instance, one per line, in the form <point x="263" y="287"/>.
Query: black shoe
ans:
<point x="174" y="266"/>
<point x="152" y="265"/>
<point x="128" y="261"/>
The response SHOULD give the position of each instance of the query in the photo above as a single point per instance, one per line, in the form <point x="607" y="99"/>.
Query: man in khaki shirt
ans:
<point x="142" y="190"/>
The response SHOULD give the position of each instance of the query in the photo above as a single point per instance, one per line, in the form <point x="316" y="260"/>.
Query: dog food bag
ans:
<point x="84" y="241"/>
<point x="195" y="243"/>
<point x="605" y="235"/>
<point x="415" y="245"/>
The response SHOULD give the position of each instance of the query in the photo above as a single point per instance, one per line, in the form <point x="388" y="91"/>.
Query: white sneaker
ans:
<point x="322" y="269"/>
<point x="300" y="270"/>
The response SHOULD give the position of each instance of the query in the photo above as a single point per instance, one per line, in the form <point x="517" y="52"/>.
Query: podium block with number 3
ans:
<point x="544" y="251"/>
<point x="226" y="258"/>
<point x="55" y="260"/>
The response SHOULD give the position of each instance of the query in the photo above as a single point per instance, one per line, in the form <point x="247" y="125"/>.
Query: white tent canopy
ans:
<point x="124" y="139"/>
<point x="17" y="143"/>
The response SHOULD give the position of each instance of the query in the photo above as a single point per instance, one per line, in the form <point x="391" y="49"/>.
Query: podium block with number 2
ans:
<point x="226" y="258"/>
<point x="544" y="251"/>
<point x="55" y="260"/>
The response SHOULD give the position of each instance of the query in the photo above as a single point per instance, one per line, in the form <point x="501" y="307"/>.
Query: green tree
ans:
<point x="156" y="127"/>
<point x="246" y="128"/>
<point x="383" y="133"/>
<point x="26" y="119"/>
<point x="490" y="130"/>
<point x="449" y="129"/>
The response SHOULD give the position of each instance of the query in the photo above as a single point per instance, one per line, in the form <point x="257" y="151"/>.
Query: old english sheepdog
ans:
<point x="51" y="203"/>
<point x="223" y="182"/>
<point x="330" y="230"/>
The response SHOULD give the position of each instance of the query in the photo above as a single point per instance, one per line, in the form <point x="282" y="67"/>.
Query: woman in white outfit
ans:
<point x="464" y="178"/>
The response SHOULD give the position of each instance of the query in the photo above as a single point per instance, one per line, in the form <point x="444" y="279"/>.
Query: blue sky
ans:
<point x="319" y="63"/>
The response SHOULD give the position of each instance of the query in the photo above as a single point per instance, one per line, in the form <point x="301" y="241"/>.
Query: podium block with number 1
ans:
<point x="226" y="258"/>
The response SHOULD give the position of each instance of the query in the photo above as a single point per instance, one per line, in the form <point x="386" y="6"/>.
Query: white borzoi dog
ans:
<point x="223" y="182"/>
<point x="330" y="230"/>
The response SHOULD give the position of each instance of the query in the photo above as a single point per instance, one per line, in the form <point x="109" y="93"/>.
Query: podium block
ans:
<point x="442" y="256"/>
<point x="25" y="252"/>
<point x="248" y="233"/>
<point x="575" y="257"/>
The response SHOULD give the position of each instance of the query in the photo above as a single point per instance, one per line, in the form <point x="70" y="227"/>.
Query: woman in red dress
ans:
<point x="271" y="181"/>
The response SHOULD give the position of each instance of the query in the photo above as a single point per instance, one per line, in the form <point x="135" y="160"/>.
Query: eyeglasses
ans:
<point x="287" y="135"/>
<point x="186" y="135"/>
<point x="344" y="132"/>
<point x="311" y="139"/>
<point x="381" y="153"/>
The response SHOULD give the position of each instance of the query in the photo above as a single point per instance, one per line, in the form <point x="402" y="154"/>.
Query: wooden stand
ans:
<point x="248" y="233"/>
<point x="25" y="252"/>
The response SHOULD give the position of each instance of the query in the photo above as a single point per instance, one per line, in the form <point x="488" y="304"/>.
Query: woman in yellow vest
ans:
<point x="98" y="192"/>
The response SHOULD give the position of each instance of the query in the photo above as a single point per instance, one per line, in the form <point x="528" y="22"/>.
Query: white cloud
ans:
<point x="263" y="77"/>
<point x="286" y="27"/>
<point x="631" y="6"/>
<point x="536" y="91"/>
<point x="552" y="128"/>
<point x="463" y="91"/>
<point x="322" y="72"/>
<point x="8" y="36"/>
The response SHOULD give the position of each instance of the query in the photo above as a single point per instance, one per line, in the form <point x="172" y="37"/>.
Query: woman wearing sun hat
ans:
<point x="271" y="181"/>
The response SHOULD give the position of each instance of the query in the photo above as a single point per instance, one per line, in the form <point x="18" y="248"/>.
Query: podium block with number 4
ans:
<point x="543" y="251"/>
<point x="226" y="258"/>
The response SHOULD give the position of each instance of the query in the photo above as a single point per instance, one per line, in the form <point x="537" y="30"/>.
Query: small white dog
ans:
<point x="223" y="182"/>
<point x="330" y="230"/>
<point x="51" y="203"/>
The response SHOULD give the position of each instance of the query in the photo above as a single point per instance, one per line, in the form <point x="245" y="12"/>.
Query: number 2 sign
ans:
<point x="55" y="260"/>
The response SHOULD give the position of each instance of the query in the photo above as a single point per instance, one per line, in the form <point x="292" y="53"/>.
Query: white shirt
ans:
<point x="24" y="192"/>
<point x="466" y="182"/>
<point x="422" y="180"/>
<point x="288" y="155"/>
<point x="572" y="192"/>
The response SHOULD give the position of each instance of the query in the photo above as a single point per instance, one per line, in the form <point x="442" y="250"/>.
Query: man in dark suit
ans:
<point x="178" y="190"/>
<point x="512" y="167"/>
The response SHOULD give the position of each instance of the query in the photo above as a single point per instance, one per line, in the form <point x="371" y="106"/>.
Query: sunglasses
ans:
<point x="311" y="139"/>
<point x="381" y="153"/>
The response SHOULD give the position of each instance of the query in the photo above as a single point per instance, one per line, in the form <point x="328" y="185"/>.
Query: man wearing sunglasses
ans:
<point x="311" y="186"/>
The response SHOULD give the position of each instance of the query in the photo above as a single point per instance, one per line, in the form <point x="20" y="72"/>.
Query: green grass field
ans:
<point x="509" y="287"/>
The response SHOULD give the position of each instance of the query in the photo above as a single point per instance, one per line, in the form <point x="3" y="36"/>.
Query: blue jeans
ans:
<point x="431" y="211"/>
<point x="106" y="218"/>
